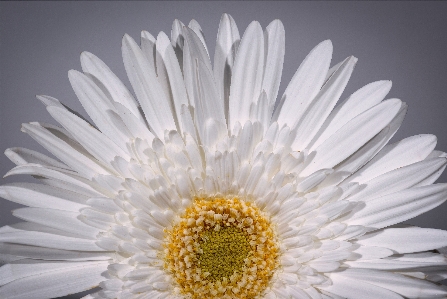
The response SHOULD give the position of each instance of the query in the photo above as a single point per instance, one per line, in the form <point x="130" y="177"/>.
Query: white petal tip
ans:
<point x="127" y="39"/>
<point x="87" y="55"/>
<point x="145" y="34"/>
<point x="72" y="74"/>
<point x="3" y="192"/>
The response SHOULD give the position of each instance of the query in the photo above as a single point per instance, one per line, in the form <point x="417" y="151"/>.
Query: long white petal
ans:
<point x="247" y="74"/>
<point x="353" y="135"/>
<point x="116" y="89"/>
<point x="71" y="154"/>
<point x="137" y="128"/>
<point x="63" y="220"/>
<point x="178" y="40"/>
<point x="149" y="93"/>
<point x="148" y="41"/>
<point x="195" y="26"/>
<point x="372" y="147"/>
<point x="27" y="267"/>
<point x="360" y="101"/>
<point x="323" y="104"/>
<point x="400" y="206"/>
<point x="274" y="38"/>
<point x="56" y="283"/>
<point x="77" y="183"/>
<point x="405" y="262"/>
<point x="354" y="289"/>
<point x="49" y="237"/>
<point x="96" y="143"/>
<point x="41" y="196"/>
<point x="208" y="105"/>
<point x="403" y="285"/>
<point x="224" y="55"/>
<point x="305" y="85"/>
<point x="405" y="152"/>
<point x="399" y="179"/>
<point x="51" y="254"/>
<point x="175" y="78"/>
<point x="96" y="104"/>
<point x="193" y="50"/>
<point x="406" y="240"/>
<point x="21" y="156"/>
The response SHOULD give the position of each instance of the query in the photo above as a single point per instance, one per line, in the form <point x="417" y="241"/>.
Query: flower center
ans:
<point x="223" y="252"/>
<point x="221" y="247"/>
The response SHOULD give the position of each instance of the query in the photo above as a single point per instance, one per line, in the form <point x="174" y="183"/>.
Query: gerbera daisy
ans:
<point x="204" y="185"/>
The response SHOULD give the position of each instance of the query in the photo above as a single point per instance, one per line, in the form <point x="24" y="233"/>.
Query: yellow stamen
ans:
<point x="221" y="248"/>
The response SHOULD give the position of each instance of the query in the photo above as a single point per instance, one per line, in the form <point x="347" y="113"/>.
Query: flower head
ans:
<point x="204" y="185"/>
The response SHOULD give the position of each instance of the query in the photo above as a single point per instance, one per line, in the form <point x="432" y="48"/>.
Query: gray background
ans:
<point x="401" y="41"/>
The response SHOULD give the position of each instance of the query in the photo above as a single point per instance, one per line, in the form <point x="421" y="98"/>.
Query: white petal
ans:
<point x="8" y="258"/>
<point x="56" y="283"/>
<point x="148" y="41"/>
<point x="406" y="286"/>
<point x="260" y="111"/>
<point x="208" y="106"/>
<point x="405" y="152"/>
<point x="352" y="231"/>
<point x="410" y="262"/>
<point x="406" y="240"/>
<point x="371" y="252"/>
<point x="195" y="26"/>
<point x="77" y="183"/>
<point x="360" y="101"/>
<point x="63" y="220"/>
<point x="305" y="85"/>
<point x="175" y="78"/>
<point x="137" y="128"/>
<point x="71" y="154"/>
<point x="247" y="74"/>
<point x="189" y="127"/>
<point x="41" y="196"/>
<point x="162" y="73"/>
<point x="399" y="179"/>
<point x="332" y="70"/>
<point x="372" y="147"/>
<point x="96" y="143"/>
<point x="116" y="89"/>
<point x="400" y="206"/>
<point x="42" y="253"/>
<point x="274" y="38"/>
<point x="149" y="93"/>
<point x="353" y="135"/>
<point x="322" y="105"/>
<point x="212" y="132"/>
<point x="50" y="101"/>
<point x="193" y="50"/>
<point x="354" y="289"/>
<point x="21" y="156"/>
<point x="97" y="105"/>
<point x="177" y="40"/>
<point x="27" y="267"/>
<point x="226" y="48"/>
<point x="49" y="238"/>
<point x="313" y="180"/>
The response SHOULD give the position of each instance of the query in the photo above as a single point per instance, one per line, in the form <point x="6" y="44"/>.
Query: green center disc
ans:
<point x="223" y="252"/>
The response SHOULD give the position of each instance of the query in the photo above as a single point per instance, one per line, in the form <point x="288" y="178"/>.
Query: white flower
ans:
<point x="203" y="189"/>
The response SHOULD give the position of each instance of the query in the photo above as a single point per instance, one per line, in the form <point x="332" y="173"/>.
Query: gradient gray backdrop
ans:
<point x="405" y="42"/>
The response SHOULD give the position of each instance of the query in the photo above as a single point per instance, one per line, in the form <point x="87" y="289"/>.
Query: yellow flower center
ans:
<point x="221" y="248"/>
<point x="223" y="252"/>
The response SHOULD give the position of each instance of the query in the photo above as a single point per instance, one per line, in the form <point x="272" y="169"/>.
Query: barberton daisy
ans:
<point x="201" y="184"/>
